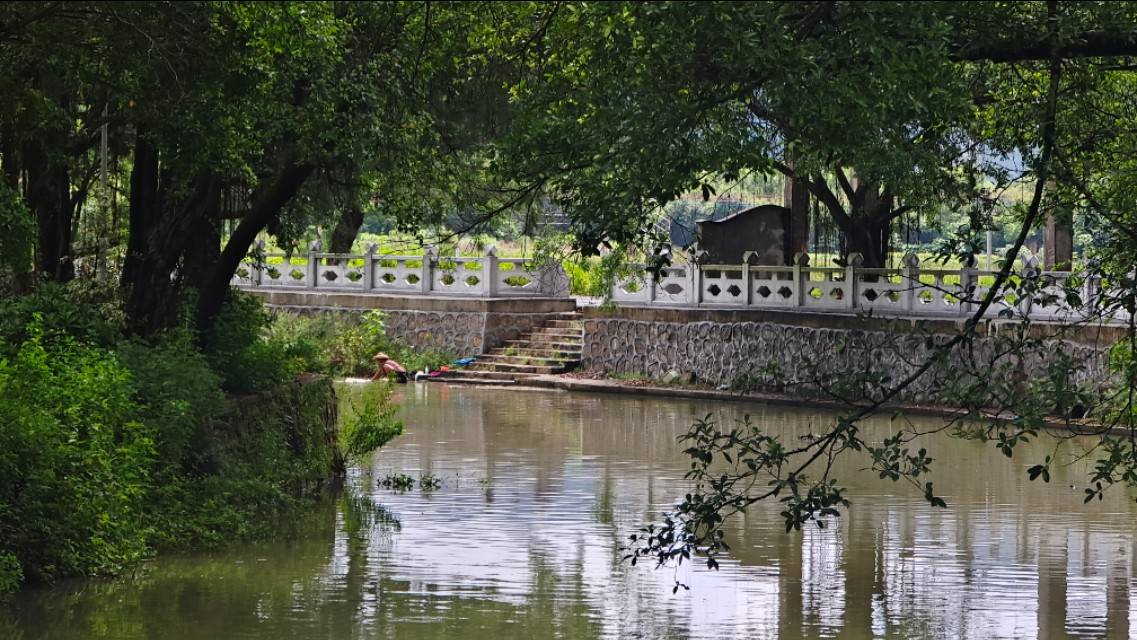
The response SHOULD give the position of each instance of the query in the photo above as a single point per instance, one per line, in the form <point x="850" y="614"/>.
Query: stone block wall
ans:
<point x="720" y="352"/>
<point x="461" y="325"/>
<point x="459" y="332"/>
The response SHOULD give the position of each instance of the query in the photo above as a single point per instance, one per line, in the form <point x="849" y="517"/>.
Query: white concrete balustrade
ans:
<point x="486" y="276"/>
<point x="910" y="290"/>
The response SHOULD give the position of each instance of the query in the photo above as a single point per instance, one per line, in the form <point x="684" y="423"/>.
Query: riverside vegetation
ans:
<point x="114" y="447"/>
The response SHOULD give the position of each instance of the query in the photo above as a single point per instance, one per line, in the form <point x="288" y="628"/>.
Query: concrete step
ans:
<point x="554" y="347"/>
<point x="521" y="360"/>
<point x="571" y="325"/>
<point x="463" y="379"/>
<point x="552" y="337"/>
<point x="556" y="331"/>
<point x="514" y="368"/>
<point x="474" y="374"/>
<point x="537" y="352"/>
<point x="546" y="344"/>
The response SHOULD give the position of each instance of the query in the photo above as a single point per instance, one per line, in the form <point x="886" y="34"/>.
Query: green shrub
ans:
<point x="11" y="575"/>
<point x="584" y="278"/>
<point x="344" y="344"/>
<point x="58" y="310"/>
<point x="177" y="392"/>
<point x="595" y="276"/>
<point x="351" y="349"/>
<point x="17" y="238"/>
<point x="371" y="421"/>
<point x="237" y="350"/>
<point x="74" y="460"/>
<point x="112" y="447"/>
<point x="255" y="464"/>
<point x="370" y="337"/>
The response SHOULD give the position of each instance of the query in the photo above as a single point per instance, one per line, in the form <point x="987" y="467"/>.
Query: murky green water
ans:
<point x="524" y="539"/>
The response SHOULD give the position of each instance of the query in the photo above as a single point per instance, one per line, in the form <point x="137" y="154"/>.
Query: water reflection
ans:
<point x="542" y="489"/>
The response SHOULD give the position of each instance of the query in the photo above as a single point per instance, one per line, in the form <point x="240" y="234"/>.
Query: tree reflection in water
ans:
<point x="525" y="539"/>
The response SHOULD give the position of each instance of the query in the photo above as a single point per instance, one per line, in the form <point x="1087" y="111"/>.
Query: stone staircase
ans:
<point x="554" y="347"/>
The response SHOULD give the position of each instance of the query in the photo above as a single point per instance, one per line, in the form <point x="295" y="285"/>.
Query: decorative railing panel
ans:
<point x="907" y="290"/>
<point x="773" y="287"/>
<point x="723" y="284"/>
<point x="427" y="274"/>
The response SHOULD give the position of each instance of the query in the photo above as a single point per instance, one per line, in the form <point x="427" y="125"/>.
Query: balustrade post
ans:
<point x="258" y="262"/>
<point x="369" y="266"/>
<point x="489" y="273"/>
<point x="855" y="260"/>
<point x="747" y="285"/>
<point x="911" y="273"/>
<point x="968" y="281"/>
<point x="651" y="281"/>
<point x="426" y="275"/>
<point x="695" y="277"/>
<point x="801" y="278"/>
<point x="1030" y="272"/>
<point x="313" y="264"/>
<point x="1091" y="289"/>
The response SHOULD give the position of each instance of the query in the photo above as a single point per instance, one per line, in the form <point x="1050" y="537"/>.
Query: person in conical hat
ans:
<point x="387" y="366"/>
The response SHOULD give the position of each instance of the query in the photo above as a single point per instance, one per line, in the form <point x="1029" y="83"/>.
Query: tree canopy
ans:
<point x="254" y="112"/>
<point x="277" y="115"/>
<point x="877" y="108"/>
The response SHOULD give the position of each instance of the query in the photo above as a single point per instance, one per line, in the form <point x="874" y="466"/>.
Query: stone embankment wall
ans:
<point x="797" y="350"/>
<point x="460" y="332"/>
<point x="461" y="325"/>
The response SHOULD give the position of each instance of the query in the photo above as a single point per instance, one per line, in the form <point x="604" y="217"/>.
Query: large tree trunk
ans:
<point x="143" y="207"/>
<point x="351" y="215"/>
<point x="48" y="186"/>
<point x="865" y="225"/>
<point x="9" y="160"/>
<point x="266" y="207"/>
<point x="10" y="174"/>
<point x="203" y="250"/>
<point x="49" y="197"/>
<point x="869" y="237"/>
<point x="161" y="230"/>
<point x="346" y="229"/>
<point x="870" y="226"/>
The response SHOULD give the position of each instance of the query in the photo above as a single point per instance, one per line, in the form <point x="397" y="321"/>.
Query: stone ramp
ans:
<point x="553" y="347"/>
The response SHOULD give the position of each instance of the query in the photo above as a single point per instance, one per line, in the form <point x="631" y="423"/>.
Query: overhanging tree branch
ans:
<point x="265" y="208"/>
<point x="698" y="524"/>
<point x="1088" y="44"/>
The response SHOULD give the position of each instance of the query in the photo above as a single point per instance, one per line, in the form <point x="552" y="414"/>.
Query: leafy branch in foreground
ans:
<point x="760" y="466"/>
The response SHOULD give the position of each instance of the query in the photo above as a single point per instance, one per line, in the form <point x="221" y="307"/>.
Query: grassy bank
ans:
<point x="112" y="448"/>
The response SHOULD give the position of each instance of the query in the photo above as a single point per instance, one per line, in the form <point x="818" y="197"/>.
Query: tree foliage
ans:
<point x="272" y="115"/>
<point x="877" y="108"/>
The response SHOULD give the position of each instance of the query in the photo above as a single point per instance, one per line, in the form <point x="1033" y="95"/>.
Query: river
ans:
<point x="539" y="491"/>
